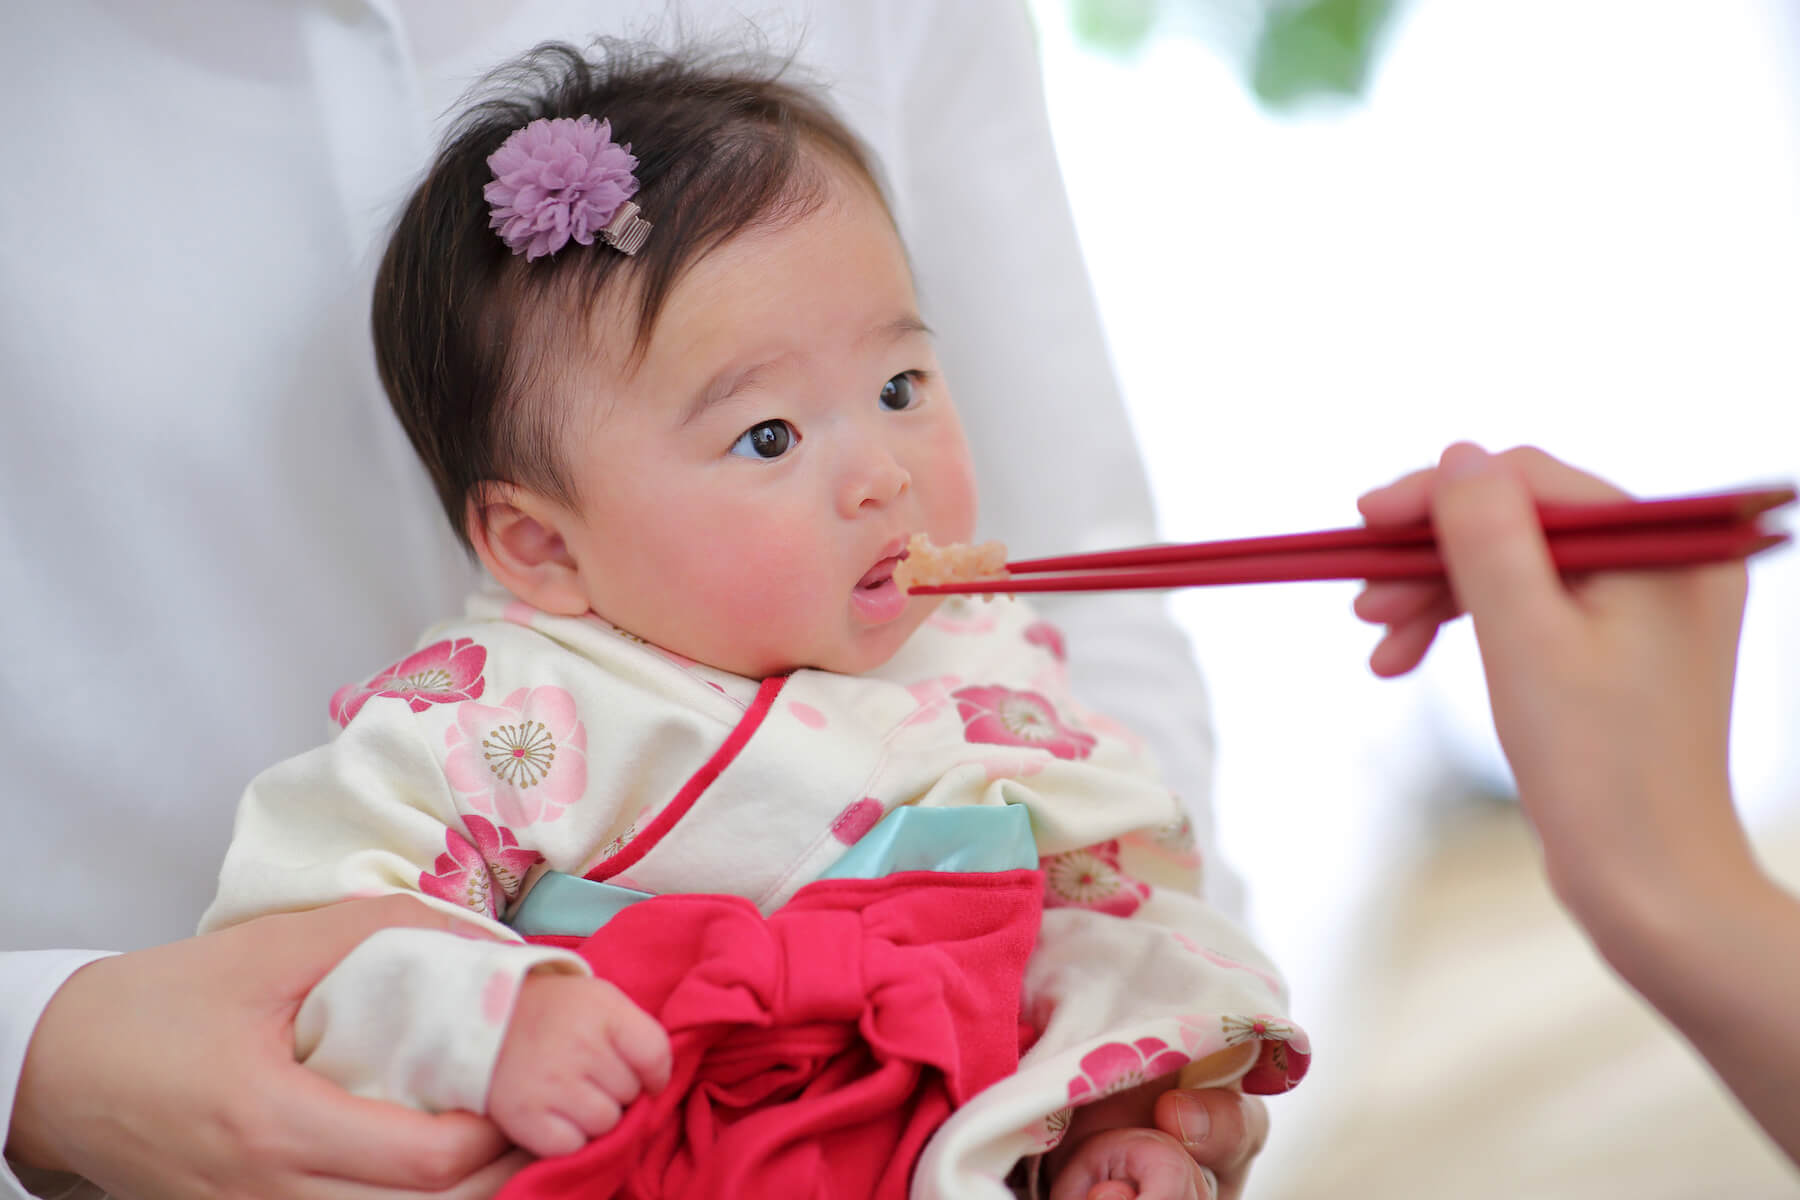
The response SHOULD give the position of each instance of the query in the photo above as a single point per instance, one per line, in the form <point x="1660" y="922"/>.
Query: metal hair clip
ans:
<point x="627" y="231"/>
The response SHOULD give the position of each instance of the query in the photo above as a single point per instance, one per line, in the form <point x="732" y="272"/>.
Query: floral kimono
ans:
<point x="898" y="925"/>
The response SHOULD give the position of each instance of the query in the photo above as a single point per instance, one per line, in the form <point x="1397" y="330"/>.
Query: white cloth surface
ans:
<point x="208" y="516"/>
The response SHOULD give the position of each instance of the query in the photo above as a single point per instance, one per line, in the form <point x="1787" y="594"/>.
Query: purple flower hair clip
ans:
<point x="560" y="178"/>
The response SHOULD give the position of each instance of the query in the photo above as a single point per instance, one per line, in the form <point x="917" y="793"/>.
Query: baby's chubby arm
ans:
<point x="442" y="1022"/>
<point x="426" y="1017"/>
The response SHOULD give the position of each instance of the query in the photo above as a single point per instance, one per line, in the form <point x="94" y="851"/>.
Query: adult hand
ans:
<point x="169" y="1074"/>
<point x="1611" y="692"/>
<point x="1222" y="1130"/>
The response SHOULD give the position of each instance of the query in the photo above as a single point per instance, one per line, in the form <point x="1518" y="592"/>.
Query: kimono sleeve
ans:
<point x="416" y="1016"/>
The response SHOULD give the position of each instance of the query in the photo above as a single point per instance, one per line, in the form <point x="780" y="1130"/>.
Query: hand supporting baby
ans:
<point x="577" y="1051"/>
<point x="1156" y="1142"/>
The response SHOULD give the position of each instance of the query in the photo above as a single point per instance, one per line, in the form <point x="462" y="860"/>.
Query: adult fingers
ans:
<point x="1395" y="601"/>
<point x="325" y="1130"/>
<point x="1494" y="550"/>
<point x="1409" y="497"/>
<point x="1221" y="1130"/>
<point x="315" y="940"/>
<point x="1404" y="646"/>
<point x="487" y="1182"/>
<point x="482" y="1184"/>
<point x="1406" y="499"/>
<point x="1553" y="481"/>
<point x="340" y="1136"/>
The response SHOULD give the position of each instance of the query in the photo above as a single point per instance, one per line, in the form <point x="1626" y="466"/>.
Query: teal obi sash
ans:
<point x="985" y="838"/>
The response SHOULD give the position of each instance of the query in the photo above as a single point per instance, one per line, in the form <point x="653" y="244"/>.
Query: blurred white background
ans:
<point x="1576" y="225"/>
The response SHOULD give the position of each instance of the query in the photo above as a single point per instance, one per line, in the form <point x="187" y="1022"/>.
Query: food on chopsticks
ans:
<point x="1669" y="531"/>
<point x="924" y="564"/>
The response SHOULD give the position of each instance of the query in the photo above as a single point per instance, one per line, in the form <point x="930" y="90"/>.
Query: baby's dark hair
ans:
<point x="467" y="332"/>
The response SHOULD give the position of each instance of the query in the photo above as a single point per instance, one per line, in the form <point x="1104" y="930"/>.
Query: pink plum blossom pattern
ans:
<point x="931" y="696"/>
<point x="522" y="762"/>
<point x="858" y="817"/>
<point x="1118" y="1066"/>
<point x="618" y="843"/>
<point x="446" y="672"/>
<point x="1177" y="836"/>
<point x="1173" y="843"/>
<point x="962" y="619"/>
<point x="1048" y="636"/>
<point x="470" y="873"/>
<point x="1282" y="1058"/>
<point x="1004" y="717"/>
<point x="1091" y="878"/>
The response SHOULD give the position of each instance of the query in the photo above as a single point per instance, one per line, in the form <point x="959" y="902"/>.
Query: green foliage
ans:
<point x="1303" y="50"/>
<point x="1317" y="49"/>
<point x="1117" y="27"/>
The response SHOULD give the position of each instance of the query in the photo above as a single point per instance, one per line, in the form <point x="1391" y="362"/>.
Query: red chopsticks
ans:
<point x="1620" y="535"/>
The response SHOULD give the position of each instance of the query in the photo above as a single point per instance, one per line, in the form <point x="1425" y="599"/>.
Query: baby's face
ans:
<point x="747" y="488"/>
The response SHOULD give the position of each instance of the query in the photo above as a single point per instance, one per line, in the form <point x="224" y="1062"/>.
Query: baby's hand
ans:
<point x="577" y="1051"/>
<point x="1130" y="1164"/>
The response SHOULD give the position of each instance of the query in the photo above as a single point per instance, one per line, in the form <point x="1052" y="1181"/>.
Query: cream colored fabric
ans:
<point x="512" y="742"/>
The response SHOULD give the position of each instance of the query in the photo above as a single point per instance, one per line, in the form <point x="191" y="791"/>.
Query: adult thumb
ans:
<point x="315" y="939"/>
<point x="1494" y="551"/>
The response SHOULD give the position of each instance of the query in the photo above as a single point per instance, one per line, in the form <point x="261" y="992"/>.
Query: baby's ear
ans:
<point x="519" y="537"/>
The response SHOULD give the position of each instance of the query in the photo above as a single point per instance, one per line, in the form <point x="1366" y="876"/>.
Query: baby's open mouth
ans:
<point x="879" y="574"/>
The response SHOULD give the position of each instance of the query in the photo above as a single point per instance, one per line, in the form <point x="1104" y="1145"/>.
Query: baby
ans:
<point x="771" y="871"/>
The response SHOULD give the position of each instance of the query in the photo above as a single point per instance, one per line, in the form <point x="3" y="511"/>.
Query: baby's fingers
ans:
<point x="544" y="1132"/>
<point x="589" y="1107"/>
<point x="643" y="1044"/>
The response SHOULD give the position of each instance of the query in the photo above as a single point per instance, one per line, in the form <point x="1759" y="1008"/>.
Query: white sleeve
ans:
<point x="28" y="979"/>
<point x="981" y="203"/>
<point x="417" y="1016"/>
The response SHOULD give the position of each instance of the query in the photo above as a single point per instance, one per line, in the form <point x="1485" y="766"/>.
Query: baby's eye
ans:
<point x="897" y="393"/>
<point x="765" y="439"/>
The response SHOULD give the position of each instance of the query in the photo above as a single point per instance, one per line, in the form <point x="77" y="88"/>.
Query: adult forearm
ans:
<point x="1718" y="954"/>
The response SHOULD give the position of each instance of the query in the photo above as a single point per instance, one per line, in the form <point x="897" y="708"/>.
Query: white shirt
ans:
<point x="209" y="519"/>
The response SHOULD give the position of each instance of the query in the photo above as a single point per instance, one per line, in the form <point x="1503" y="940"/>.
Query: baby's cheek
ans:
<point x="950" y="494"/>
<point x="759" y="617"/>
